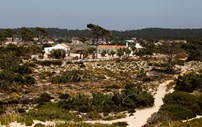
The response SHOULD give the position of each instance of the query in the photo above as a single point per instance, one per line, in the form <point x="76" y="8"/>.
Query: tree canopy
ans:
<point x="99" y="32"/>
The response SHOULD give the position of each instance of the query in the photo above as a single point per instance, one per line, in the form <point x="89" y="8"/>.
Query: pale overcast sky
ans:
<point x="111" y="14"/>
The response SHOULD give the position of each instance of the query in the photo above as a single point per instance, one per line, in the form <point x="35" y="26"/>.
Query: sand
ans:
<point x="197" y="117"/>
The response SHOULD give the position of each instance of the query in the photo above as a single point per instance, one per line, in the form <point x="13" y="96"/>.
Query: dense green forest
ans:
<point x="148" y="33"/>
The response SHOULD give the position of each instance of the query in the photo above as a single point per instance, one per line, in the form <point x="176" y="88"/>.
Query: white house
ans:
<point x="58" y="46"/>
<point x="138" y="46"/>
<point x="130" y="41"/>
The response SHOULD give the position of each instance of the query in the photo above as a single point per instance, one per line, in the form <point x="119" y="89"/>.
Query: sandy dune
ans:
<point x="137" y="120"/>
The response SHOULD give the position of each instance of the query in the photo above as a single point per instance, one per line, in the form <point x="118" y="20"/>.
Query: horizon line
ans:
<point x="103" y="27"/>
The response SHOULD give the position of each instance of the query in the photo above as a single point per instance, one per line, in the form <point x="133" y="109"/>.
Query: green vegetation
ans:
<point x="27" y="34"/>
<point x="120" y="52"/>
<point x="181" y="104"/>
<point x="192" y="123"/>
<point x="44" y="98"/>
<point x="99" y="32"/>
<point x="194" y="49"/>
<point x="49" y="62"/>
<point x="99" y="89"/>
<point x="58" y="54"/>
<point x="51" y="111"/>
<point x="103" y="53"/>
<point x="189" y="82"/>
<point x="129" y="99"/>
<point x="69" y="76"/>
<point x="127" y="51"/>
<point x="149" y="33"/>
<point x="13" y="70"/>
<point x="87" y="125"/>
<point x="170" y="50"/>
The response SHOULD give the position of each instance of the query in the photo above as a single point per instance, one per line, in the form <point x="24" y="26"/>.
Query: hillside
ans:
<point x="148" y="33"/>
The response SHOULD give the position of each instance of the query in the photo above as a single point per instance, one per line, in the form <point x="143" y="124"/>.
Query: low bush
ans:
<point x="1" y="110"/>
<point x="23" y="69"/>
<point x="49" y="62"/>
<point x="189" y="82"/>
<point x="180" y="105"/>
<point x="84" y="125"/>
<point x="120" y="124"/>
<point x="192" y="123"/>
<point x="178" y="111"/>
<point x="39" y="125"/>
<point x="29" y="80"/>
<point x="51" y="111"/>
<point x="179" y="62"/>
<point x="28" y="120"/>
<point x="158" y="118"/>
<point x="21" y="110"/>
<point x="44" y="98"/>
<point x="128" y="99"/>
<point x="64" y="96"/>
<point x="70" y="76"/>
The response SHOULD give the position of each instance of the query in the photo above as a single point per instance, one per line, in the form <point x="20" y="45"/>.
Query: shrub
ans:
<point x="145" y="99"/>
<point x="129" y="85"/>
<point x="39" y="125"/>
<point x="64" y="96"/>
<point x="21" y="110"/>
<point x="178" y="111"/>
<point x="44" y="98"/>
<point x="58" y="54"/>
<point x="147" y="79"/>
<point x="189" y="82"/>
<point x="71" y="76"/>
<point x="158" y="117"/>
<point x="28" y="120"/>
<point x="109" y="103"/>
<point x="1" y="110"/>
<point x="29" y="80"/>
<point x="120" y="124"/>
<point x="200" y="101"/>
<point x="180" y="105"/>
<point x="49" y="62"/>
<point x="19" y="79"/>
<point x="179" y="62"/>
<point x="51" y="111"/>
<point x="24" y="69"/>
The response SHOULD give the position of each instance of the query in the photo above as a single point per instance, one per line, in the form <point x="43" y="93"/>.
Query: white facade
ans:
<point x="130" y="41"/>
<point x="59" y="46"/>
<point x="138" y="46"/>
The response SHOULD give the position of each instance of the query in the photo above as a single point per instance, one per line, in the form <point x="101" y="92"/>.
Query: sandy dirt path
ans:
<point x="140" y="116"/>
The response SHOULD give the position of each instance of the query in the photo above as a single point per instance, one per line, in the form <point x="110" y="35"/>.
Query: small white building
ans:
<point x="130" y="41"/>
<point x="58" y="46"/>
<point x="138" y="46"/>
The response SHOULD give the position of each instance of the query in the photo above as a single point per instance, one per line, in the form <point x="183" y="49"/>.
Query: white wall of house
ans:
<point x="59" y="46"/>
<point x="138" y="46"/>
